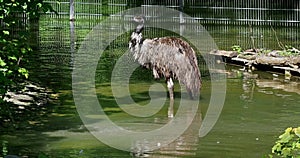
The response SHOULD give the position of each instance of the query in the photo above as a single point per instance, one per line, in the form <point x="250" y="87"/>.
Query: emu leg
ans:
<point x="190" y="93"/>
<point x="170" y="86"/>
<point x="155" y="73"/>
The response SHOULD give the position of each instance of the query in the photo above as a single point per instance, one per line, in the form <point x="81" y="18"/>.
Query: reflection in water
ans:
<point x="186" y="144"/>
<point x="252" y="83"/>
<point x="248" y="83"/>
<point x="287" y="86"/>
<point x="248" y="86"/>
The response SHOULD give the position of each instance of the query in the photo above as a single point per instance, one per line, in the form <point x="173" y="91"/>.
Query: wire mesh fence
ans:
<point x="248" y="23"/>
<point x="245" y="13"/>
<point x="236" y="12"/>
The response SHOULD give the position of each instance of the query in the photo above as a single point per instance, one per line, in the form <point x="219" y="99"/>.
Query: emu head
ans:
<point x="139" y="19"/>
<point x="140" y="23"/>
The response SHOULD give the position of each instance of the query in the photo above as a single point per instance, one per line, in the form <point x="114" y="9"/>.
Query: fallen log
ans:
<point x="248" y="55"/>
<point x="273" y="60"/>
<point x="224" y="53"/>
<point x="267" y="60"/>
<point x="295" y="60"/>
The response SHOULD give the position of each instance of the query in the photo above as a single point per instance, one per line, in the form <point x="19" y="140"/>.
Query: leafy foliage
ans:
<point x="237" y="48"/>
<point x="15" y="17"/>
<point x="289" y="51"/>
<point x="288" y="144"/>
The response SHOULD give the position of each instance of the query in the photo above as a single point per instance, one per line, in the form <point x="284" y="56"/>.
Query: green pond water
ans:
<point x="257" y="108"/>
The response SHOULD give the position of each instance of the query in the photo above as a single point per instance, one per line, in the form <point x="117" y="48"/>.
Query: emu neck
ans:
<point x="136" y="41"/>
<point x="139" y="28"/>
<point x="136" y="36"/>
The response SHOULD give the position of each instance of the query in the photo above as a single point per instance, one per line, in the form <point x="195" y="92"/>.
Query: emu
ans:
<point x="168" y="57"/>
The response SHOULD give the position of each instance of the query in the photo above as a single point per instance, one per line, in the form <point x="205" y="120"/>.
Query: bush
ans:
<point x="288" y="144"/>
<point x="14" y="36"/>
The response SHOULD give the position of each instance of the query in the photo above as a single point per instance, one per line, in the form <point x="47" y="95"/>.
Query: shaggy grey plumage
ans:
<point x="168" y="57"/>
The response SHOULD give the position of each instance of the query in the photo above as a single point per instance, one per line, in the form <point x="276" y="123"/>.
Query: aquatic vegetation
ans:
<point x="289" y="51"/>
<point x="288" y="144"/>
<point x="237" y="48"/>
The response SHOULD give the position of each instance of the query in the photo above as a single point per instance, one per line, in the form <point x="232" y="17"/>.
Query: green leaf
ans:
<point x="286" y="137"/>
<point x="23" y="50"/>
<point x="5" y="32"/>
<point x="288" y="130"/>
<point x="13" y="58"/>
<point x="24" y="6"/>
<point x="24" y="72"/>
<point x="270" y="156"/>
<point x="9" y="72"/>
<point x="3" y="70"/>
<point x="297" y="131"/>
<point x="2" y="63"/>
<point x="297" y="145"/>
<point x="276" y="148"/>
<point x="39" y="5"/>
<point x="286" y="152"/>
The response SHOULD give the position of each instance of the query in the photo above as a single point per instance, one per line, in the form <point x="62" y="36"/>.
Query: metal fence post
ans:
<point x="72" y="10"/>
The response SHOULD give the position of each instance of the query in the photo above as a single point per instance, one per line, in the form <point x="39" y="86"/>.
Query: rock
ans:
<point x="19" y="96"/>
<point x="18" y="99"/>
<point x="31" y="94"/>
<point x="33" y="87"/>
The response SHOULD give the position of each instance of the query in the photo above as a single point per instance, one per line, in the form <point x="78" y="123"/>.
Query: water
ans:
<point x="258" y="107"/>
